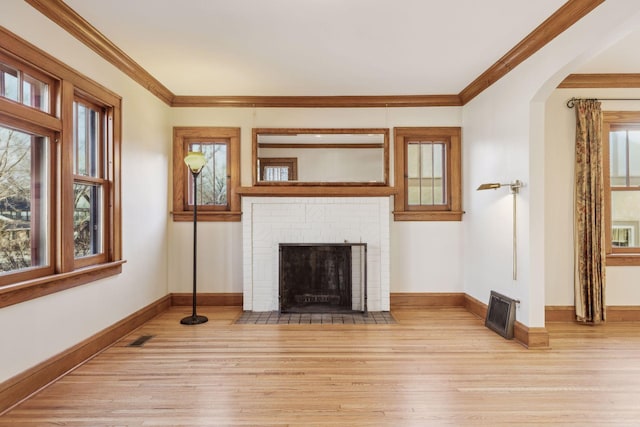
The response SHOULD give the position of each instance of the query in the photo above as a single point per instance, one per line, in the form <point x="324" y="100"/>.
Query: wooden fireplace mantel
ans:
<point x="317" y="191"/>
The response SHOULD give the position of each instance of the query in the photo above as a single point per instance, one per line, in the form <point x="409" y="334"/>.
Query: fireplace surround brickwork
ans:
<point x="269" y="221"/>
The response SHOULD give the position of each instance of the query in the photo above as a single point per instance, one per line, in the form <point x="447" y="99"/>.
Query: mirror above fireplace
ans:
<point x="292" y="157"/>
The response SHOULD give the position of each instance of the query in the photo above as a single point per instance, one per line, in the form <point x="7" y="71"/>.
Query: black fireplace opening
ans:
<point x="315" y="278"/>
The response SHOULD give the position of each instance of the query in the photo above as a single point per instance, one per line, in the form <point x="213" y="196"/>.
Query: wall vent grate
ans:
<point x="501" y="314"/>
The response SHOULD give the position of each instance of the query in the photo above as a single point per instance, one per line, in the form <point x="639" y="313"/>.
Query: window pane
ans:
<point x="80" y="144"/>
<point x="212" y="181"/>
<point x="618" y="158"/>
<point x="426" y="195"/>
<point x="9" y="82"/>
<point x="439" y="166"/>
<point x="413" y="174"/>
<point x="625" y="217"/>
<point x="439" y="160"/>
<point x="35" y="93"/>
<point x="86" y="140"/>
<point x="24" y="192"/>
<point x="87" y="227"/>
<point x="634" y="157"/>
<point x="426" y="160"/>
<point x="438" y="191"/>
<point x="426" y="166"/>
<point x="413" y="160"/>
<point x="276" y="173"/>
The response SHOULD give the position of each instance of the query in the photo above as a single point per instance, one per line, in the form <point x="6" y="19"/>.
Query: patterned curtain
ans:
<point x="589" y="279"/>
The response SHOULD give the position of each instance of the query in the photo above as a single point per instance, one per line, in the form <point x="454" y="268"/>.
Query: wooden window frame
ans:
<point x="610" y="120"/>
<point x="49" y="268"/>
<point x="64" y="84"/>
<point x="24" y="68"/>
<point x="101" y="179"/>
<point x="182" y="137"/>
<point x="452" y="211"/>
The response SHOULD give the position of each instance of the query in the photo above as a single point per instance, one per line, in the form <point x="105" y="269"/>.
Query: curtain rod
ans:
<point x="572" y="101"/>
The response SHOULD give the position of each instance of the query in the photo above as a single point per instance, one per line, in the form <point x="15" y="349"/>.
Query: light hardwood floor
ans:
<point x="433" y="367"/>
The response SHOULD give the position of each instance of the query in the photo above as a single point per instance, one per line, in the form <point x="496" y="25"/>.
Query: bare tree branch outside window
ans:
<point x="212" y="184"/>
<point x="18" y="243"/>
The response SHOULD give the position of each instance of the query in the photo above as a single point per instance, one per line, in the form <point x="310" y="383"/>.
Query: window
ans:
<point x="25" y="203"/>
<point x="59" y="176"/>
<point x="213" y="191"/>
<point x="425" y="180"/>
<point x="217" y="196"/>
<point x="89" y="181"/>
<point x="621" y="142"/>
<point x="427" y="174"/>
<point x="278" y="168"/>
<point x="30" y="88"/>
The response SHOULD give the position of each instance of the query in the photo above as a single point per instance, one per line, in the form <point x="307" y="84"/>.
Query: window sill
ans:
<point x="427" y="215"/>
<point x="35" y="288"/>
<point x="617" y="260"/>
<point x="207" y="216"/>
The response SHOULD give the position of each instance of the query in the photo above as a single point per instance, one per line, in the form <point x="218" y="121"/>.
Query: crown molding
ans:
<point x="77" y="26"/>
<point x="610" y="80"/>
<point x="570" y="13"/>
<point x="318" y="101"/>
<point x="69" y="20"/>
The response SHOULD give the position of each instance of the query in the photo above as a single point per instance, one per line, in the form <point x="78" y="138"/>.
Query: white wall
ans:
<point x="38" y="329"/>
<point x="622" y="282"/>
<point x="503" y="139"/>
<point x="425" y="257"/>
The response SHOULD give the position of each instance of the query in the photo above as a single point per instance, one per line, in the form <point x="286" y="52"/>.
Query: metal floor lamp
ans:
<point x="515" y="188"/>
<point x="195" y="161"/>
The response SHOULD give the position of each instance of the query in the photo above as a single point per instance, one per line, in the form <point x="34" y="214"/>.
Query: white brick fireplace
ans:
<point x="269" y="221"/>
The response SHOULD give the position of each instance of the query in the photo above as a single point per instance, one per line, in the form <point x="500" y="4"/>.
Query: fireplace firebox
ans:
<point x="322" y="277"/>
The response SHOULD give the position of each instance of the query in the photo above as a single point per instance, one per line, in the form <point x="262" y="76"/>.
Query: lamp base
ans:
<point x="194" y="320"/>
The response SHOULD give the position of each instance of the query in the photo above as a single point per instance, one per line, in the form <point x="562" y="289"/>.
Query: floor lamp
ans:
<point x="195" y="161"/>
<point x="515" y="188"/>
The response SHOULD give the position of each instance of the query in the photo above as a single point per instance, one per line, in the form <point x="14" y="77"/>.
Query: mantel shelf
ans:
<point x="317" y="191"/>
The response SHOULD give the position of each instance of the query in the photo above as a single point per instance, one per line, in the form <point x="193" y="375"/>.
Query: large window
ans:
<point x="427" y="174"/>
<point x="621" y="141"/>
<point x="25" y="203"/>
<point x="216" y="197"/>
<point x="60" y="217"/>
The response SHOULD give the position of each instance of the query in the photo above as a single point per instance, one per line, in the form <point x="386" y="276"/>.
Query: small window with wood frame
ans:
<point x="621" y="169"/>
<point x="428" y="174"/>
<point x="278" y="168"/>
<point x="217" y="197"/>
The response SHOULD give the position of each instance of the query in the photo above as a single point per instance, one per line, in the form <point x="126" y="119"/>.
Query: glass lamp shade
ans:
<point x="195" y="161"/>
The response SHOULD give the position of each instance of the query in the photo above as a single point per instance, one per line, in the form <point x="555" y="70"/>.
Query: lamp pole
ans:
<point x="515" y="189"/>
<point x="195" y="161"/>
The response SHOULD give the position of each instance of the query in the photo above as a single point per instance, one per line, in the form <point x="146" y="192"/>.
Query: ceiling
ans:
<point x="315" y="47"/>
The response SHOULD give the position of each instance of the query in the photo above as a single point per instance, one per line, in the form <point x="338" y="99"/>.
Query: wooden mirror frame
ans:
<point x="293" y="131"/>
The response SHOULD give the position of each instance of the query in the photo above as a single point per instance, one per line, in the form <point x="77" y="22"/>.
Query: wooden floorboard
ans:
<point x="432" y="367"/>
